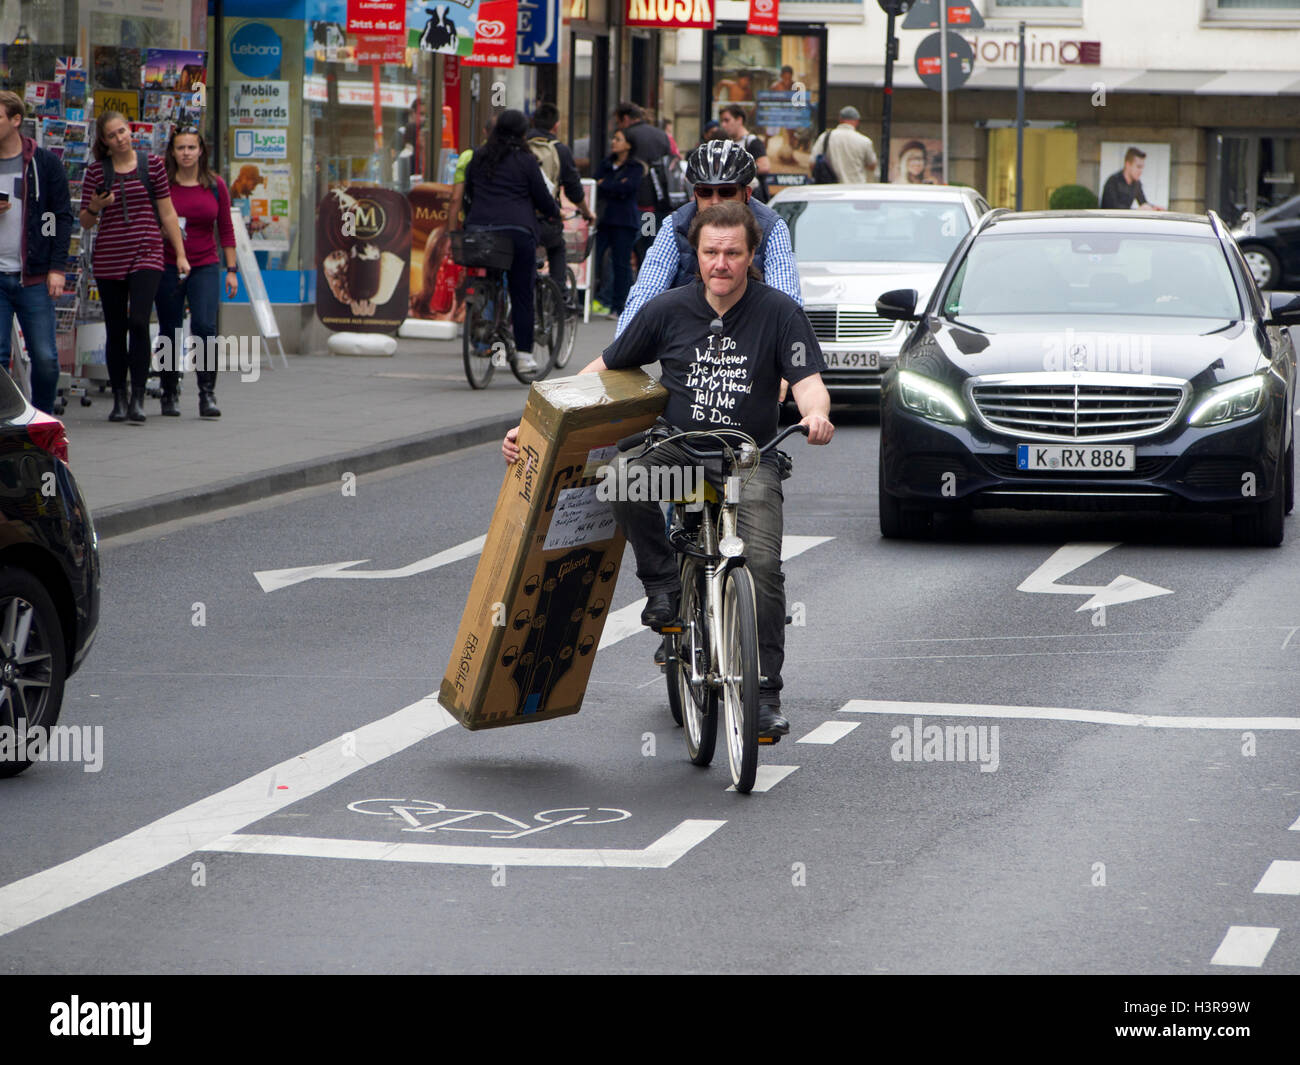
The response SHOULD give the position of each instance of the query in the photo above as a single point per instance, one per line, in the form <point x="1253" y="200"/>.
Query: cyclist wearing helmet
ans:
<point x="720" y="172"/>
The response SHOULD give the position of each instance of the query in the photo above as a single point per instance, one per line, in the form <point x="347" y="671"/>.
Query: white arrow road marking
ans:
<point x="1280" y="878"/>
<point x="1245" y="945"/>
<point x="271" y="579"/>
<point x="1057" y="713"/>
<point x="659" y="855"/>
<point x="1069" y="558"/>
<point x="626" y="621"/>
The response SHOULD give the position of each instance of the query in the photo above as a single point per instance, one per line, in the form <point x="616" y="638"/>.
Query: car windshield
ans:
<point x="841" y="231"/>
<point x="1094" y="273"/>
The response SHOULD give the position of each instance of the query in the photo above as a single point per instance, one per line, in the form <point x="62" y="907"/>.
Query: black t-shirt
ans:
<point x="1119" y="193"/>
<point x="728" y="382"/>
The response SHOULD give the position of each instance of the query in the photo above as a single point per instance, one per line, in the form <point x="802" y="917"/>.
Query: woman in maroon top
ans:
<point x="129" y="220"/>
<point x="203" y="202"/>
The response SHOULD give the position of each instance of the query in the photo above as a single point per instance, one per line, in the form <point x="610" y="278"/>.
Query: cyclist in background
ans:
<point x="765" y="337"/>
<point x="506" y="193"/>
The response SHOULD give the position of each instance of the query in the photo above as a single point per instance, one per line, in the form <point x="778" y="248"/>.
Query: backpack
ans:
<point x="657" y="186"/>
<point x="822" y="174"/>
<point x="549" y="158"/>
<point x="142" y="175"/>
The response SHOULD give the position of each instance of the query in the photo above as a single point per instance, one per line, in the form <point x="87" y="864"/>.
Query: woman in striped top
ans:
<point x="130" y="218"/>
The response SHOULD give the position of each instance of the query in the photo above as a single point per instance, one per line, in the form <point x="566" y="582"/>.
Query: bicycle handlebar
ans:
<point x="637" y="439"/>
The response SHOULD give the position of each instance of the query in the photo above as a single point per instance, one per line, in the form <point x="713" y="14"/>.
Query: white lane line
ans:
<point x="829" y="732"/>
<point x="1058" y="713"/>
<point x="660" y="854"/>
<point x="626" y="621"/>
<point x="1245" y="945"/>
<point x="1288" y="639"/>
<point x="769" y="776"/>
<point x="185" y="831"/>
<point x="1296" y="826"/>
<point x="1280" y="878"/>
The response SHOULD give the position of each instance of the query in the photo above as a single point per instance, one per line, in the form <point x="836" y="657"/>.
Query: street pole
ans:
<point x="891" y="52"/>
<point x="943" y="74"/>
<point x="1020" y="126"/>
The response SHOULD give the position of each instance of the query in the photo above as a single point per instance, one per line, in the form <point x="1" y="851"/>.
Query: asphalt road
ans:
<point x="230" y="829"/>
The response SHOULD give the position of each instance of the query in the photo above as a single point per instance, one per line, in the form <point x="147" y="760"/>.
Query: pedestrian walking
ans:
<point x="32" y="257"/>
<point x="618" y="178"/>
<point x="126" y="200"/>
<point x="850" y="154"/>
<point x="202" y="201"/>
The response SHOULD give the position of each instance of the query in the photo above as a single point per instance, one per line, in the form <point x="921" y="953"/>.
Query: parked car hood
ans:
<point x="1202" y="350"/>
<point x="824" y="283"/>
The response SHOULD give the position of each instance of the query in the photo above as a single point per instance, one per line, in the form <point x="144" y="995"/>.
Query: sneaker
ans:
<point x="524" y="361"/>
<point x="599" y="309"/>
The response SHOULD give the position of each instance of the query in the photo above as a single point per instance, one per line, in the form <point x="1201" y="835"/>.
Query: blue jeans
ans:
<point x="614" y="286"/>
<point x="202" y="289"/>
<point x="35" y="312"/>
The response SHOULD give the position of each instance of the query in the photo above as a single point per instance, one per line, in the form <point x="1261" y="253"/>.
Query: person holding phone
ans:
<point x="203" y="201"/>
<point x="33" y="188"/>
<point x="126" y="199"/>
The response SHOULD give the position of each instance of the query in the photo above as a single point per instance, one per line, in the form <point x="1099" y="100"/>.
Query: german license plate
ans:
<point x="1060" y="457"/>
<point x="852" y="360"/>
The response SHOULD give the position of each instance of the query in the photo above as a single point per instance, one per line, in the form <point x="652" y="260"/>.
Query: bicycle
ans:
<point x="577" y="246"/>
<point x="714" y="641"/>
<point x="487" y="338"/>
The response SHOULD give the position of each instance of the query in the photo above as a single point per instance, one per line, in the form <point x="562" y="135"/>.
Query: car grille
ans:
<point x="841" y="325"/>
<point x="1077" y="410"/>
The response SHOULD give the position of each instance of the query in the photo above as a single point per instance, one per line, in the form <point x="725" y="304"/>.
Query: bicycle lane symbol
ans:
<point x="423" y="815"/>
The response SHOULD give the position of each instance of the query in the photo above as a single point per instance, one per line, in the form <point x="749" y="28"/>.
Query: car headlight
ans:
<point x="1225" y="403"/>
<point x="929" y="398"/>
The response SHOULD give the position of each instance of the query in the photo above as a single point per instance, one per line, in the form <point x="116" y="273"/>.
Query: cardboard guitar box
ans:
<point x="546" y="577"/>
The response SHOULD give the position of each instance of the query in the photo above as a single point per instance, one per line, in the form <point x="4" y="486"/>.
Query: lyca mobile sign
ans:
<point x="671" y="14"/>
<point x="261" y="144"/>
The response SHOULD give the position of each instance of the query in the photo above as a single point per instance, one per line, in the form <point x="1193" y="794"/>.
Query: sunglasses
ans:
<point x="722" y="192"/>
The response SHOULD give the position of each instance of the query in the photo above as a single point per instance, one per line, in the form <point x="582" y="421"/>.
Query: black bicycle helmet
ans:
<point x="721" y="162"/>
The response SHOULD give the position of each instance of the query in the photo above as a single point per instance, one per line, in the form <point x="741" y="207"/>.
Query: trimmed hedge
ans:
<point x="1072" y="198"/>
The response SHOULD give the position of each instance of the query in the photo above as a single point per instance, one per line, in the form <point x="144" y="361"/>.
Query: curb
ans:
<point x="131" y="517"/>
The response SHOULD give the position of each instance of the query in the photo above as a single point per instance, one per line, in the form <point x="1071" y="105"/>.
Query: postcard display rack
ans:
<point x="171" y="91"/>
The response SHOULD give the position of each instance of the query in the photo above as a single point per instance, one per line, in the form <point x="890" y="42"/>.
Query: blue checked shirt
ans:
<point x="660" y="267"/>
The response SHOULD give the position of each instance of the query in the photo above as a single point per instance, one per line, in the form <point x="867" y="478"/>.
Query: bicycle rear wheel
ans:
<point x="476" y="342"/>
<point x="573" y="314"/>
<point x="697" y="704"/>
<point x="548" y="330"/>
<point x="739" y="670"/>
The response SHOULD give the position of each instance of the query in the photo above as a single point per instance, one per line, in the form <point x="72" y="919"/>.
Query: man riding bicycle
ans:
<point x="727" y="381"/>
<point x="720" y="172"/>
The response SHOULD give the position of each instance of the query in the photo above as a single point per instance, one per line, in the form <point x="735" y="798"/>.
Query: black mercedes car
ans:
<point x="1092" y="359"/>
<point x="1271" y="245"/>
<point x="49" y="574"/>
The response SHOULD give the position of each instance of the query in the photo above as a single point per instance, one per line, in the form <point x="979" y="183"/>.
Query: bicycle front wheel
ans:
<point x="697" y="703"/>
<point x="476" y="352"/>
<point x="739" y="670"/>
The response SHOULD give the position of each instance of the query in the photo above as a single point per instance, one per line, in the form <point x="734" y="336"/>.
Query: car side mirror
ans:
<point x="1284" y="308"/>
<point x="899" y="305"/>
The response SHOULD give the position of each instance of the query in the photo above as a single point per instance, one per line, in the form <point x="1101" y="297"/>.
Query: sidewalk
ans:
<point x="322" y="417"/>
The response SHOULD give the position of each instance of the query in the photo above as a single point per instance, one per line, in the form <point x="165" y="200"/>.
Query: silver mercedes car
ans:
<point x="855" y="242"/>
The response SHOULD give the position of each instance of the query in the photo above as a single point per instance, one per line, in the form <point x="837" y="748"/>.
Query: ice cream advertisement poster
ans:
<point x="363" y="243"/>
<point x="261" y="190"/>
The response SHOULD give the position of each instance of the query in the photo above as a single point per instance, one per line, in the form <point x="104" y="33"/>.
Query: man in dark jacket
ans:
<point x="650" y="145"/>
<point x="546" y="119"/>
<point x="35" y="228"/>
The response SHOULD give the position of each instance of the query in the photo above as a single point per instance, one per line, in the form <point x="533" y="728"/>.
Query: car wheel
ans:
<point x="898" y="522"/>
<point x="1263" y="265"/>
<point x="32" y="659"/>
<point x="1264" y="525"/>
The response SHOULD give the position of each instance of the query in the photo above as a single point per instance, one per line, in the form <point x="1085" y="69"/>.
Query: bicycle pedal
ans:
<point x="673" y="627"/>
<point x="768" y="739"/>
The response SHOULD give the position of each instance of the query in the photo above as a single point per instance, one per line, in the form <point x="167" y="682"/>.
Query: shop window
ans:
<point x="1264" y="11"/>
